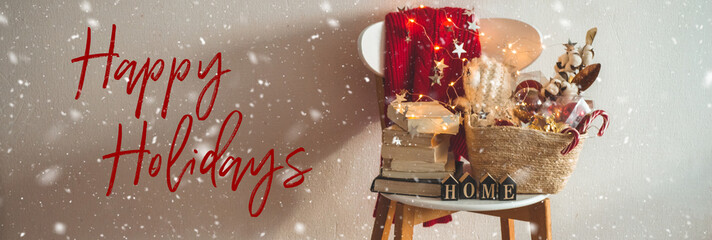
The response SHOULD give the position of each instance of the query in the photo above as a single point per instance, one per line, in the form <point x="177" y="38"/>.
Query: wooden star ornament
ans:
<point x="459" y="49"/>
<point x="469" y="12"/>
<point x="440" y="65"/>
<point x="413" y="130"/>
<point x="400" y="97"/>
<point x="448" y="120"/>
<point x="435" y="78"/>
<point x="482" y="114"/>
<point x="473" y="26"/>
<point x="570" y="46"/>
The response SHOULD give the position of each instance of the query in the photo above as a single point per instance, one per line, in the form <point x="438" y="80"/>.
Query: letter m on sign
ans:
<point x="488" y="188"/>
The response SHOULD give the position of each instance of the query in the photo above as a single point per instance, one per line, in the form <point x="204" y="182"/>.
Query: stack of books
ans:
<point x="415" y="161"/>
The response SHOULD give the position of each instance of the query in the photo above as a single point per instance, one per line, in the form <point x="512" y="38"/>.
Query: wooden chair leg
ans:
<point x="404" y="219"/>
<point x="541" y="220"/>
<point x="507" y="226"/>
<point x="385" y="211"/>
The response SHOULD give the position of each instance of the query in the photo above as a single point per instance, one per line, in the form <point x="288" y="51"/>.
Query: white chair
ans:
<point x="495" y="34"/>
<point x="408" y="211"/>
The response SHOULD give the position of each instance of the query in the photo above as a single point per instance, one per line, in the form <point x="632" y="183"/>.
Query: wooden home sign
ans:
<point x="487" y="189"/>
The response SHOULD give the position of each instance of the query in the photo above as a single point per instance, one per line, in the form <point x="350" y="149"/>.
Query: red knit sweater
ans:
<point x="408" y="64"/>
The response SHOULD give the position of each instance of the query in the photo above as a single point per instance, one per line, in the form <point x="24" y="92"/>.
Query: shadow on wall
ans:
<point x="301" y="90"/>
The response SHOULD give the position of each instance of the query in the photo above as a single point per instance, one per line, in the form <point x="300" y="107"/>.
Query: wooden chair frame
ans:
<point x="406" y="217"/>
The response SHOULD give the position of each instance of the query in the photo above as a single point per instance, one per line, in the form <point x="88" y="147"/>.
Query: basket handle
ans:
<point x="573" y="143"/>
<point x="588" y="119"/>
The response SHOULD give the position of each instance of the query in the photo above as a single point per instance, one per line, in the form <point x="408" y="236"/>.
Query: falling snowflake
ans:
<point x="3" y="20"/>
<point x="557" y="6"/>
<point x="315" y="114"/>
<point x="93" y="22"/>
<point x="333" y="23"/>
<point x="325" y="6"/>
<point x="299" y="228"/>
<point x="85" y="6"/>
<point x="49" y="176"/>
<point x="566" y="23"/>
<point x="60" y="228"/>
<point x="315" y="36"/>
<point x="708" y="80"/>
<point x="75" y="115"/>
<point x="12" y="57"/>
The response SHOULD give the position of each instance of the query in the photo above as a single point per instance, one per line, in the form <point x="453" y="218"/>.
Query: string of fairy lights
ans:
<point x="473" y="27"/>
<point x="438" y="68"/>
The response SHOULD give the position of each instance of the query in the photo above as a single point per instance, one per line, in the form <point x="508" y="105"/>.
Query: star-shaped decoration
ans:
<point x="448" y="120"/>
<point x="407" y="38"/>
<point x="473" y="26"/>
<point x="396" y="141"/>
<point x="458" y="49"/>
<point x="435" y="79"/>
<point x="400" y="97"/>
<point x="469" y="12"/>
<point x="412" y="130"/>
<point x="482" y="114"/>
<point x="448" y="28"/>
<point x="570" y="45"/>
<point x="440" y="65"/>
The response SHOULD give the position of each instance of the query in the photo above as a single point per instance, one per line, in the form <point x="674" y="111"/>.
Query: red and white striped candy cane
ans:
<point x="573" y="143"/>
<point x="588" y="119"/>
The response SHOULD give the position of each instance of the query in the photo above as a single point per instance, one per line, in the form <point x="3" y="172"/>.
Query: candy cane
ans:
<point x="588" y="119"/>
<point x="583" y="124"/>
<point x="573" y="143"/>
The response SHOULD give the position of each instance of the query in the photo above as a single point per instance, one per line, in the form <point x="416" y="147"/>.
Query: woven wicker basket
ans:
<point x="532" y="158"/>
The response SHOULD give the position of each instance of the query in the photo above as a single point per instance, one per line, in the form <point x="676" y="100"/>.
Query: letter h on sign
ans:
<point x="448" y="189"/>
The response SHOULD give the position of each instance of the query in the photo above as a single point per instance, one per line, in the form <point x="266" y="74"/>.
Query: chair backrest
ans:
<point x="520" y="41"/>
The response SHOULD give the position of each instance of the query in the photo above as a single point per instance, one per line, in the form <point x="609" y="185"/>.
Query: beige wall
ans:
<point x="648" y="177"/>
